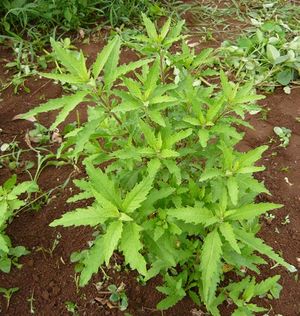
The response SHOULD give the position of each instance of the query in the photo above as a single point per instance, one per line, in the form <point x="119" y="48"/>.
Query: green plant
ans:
<point x="8" y="293"/>
<point x="266" y="54"/>
<point x="284" y="135"/>
<point x="118" y="296"/>
<point x="9" y="204"/>
<point x="168" y="189"/>
<point x="72" y="308"/>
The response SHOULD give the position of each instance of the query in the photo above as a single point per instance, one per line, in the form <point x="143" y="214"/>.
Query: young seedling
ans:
<point x="8" y="293"/>
<point x="31" y="300"/>
<point x="118" y="296"/>
<point x="72" y="308"/>
<point x="284" y="135"/>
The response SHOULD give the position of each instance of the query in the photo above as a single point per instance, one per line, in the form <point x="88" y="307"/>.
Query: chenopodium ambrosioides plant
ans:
<point x="176" y="198"/>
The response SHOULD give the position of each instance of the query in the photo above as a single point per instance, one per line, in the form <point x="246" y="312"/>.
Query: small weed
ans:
<point x="286" y="220"/>
<point x="8" y="293"/>
<point x="269" y="217"/>
<point x="72" y="308"/>
<point x="284" y="135"/>
<point x="285" y="169"/>
<point x="52" y="248"/>
<point x="118" y="296"/>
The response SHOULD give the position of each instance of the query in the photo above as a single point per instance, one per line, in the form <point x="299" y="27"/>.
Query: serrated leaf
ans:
<point x="228" y="233"/>
<point x="258" y="245"/>
<point x="150" y="27"/>
<point x="3" y="244"/>
<point x="103" y="185"/>
<point x="192" y="215"/>
<point x="103" y="56"/>
<point x="131" y="245"/>
<point x="233" y="189"/>
<point x="227" y="89"/>
<point x="169" y="153"/>
<point x="173" y="169"/>
<point x="126" y="68"/>
<point x="266" y="285"/>
<point x="110" y="67"/>
<point x="73" y="61"/>
<point x="70" y="103"/>
<point x="203" y="137"/>
<point x="90" y="216"/>
<point x="111" y="239"/>
<point x="165" y="29"/>
<point x="152" y="78"/>
<point x="138" y="194"/>
<point x="210" y="261"/>
<point x="157" y="118"/>
<point x="149" y="135"/>
<point x="64" y="78"/>
<point x="250" y="157"/>
<point x="93" y="260"/>
<point x="210" y="174"/>
<point x="26" y="186"/>
<point x="169" y="301"/>
<point x="251" y="210"/>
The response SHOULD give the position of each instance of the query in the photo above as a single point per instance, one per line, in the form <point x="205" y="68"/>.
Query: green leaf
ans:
<point x="251" y="210"/>
<point x="91" y="216"/>
<point x="233" y="189"/>
<point x="266" y="285"/>
<point x="258" y="245"/>
<point x="173" y="169"/>
<point x="150" y="27"/>
<point x="124" y="69"/>
<point x="93" y="260"/>
<point x="228" y="233"/>
<point x="139" y="193"/>
<point x="149" y="135"/>
<point x="169" y="153"/>
<point x="70" y="105"/>
<point x="192" y="215"/>
<point x="210" y="262"/>
<point x="103" y="56"/>
<point x="130" y="245"/>
<point x="227" y="88"/>
<point x="165" y="29"/>
<point x="250" y="157"/>
<point x="285" y="77"/>
<point x="110" y="67"/>
<point x="157" y="118"/>
<point x="111" y="239"/>
<point x="67" y="103"/>
<point x="64" y="78"/>
<point x="203" y="137"/>
<point x="210" y="174"/>
<point x="169" y="301"/>
<point x="103" y="185"/>
<point x="272" y="53"/>
<point x="152" y="78"/>
<point x="3" y="244"/>
<point x="73" y="61"/>
<point x="26" y="186"/>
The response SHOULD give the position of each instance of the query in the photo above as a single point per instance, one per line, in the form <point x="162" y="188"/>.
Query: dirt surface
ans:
<point x="48" y="276"/>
